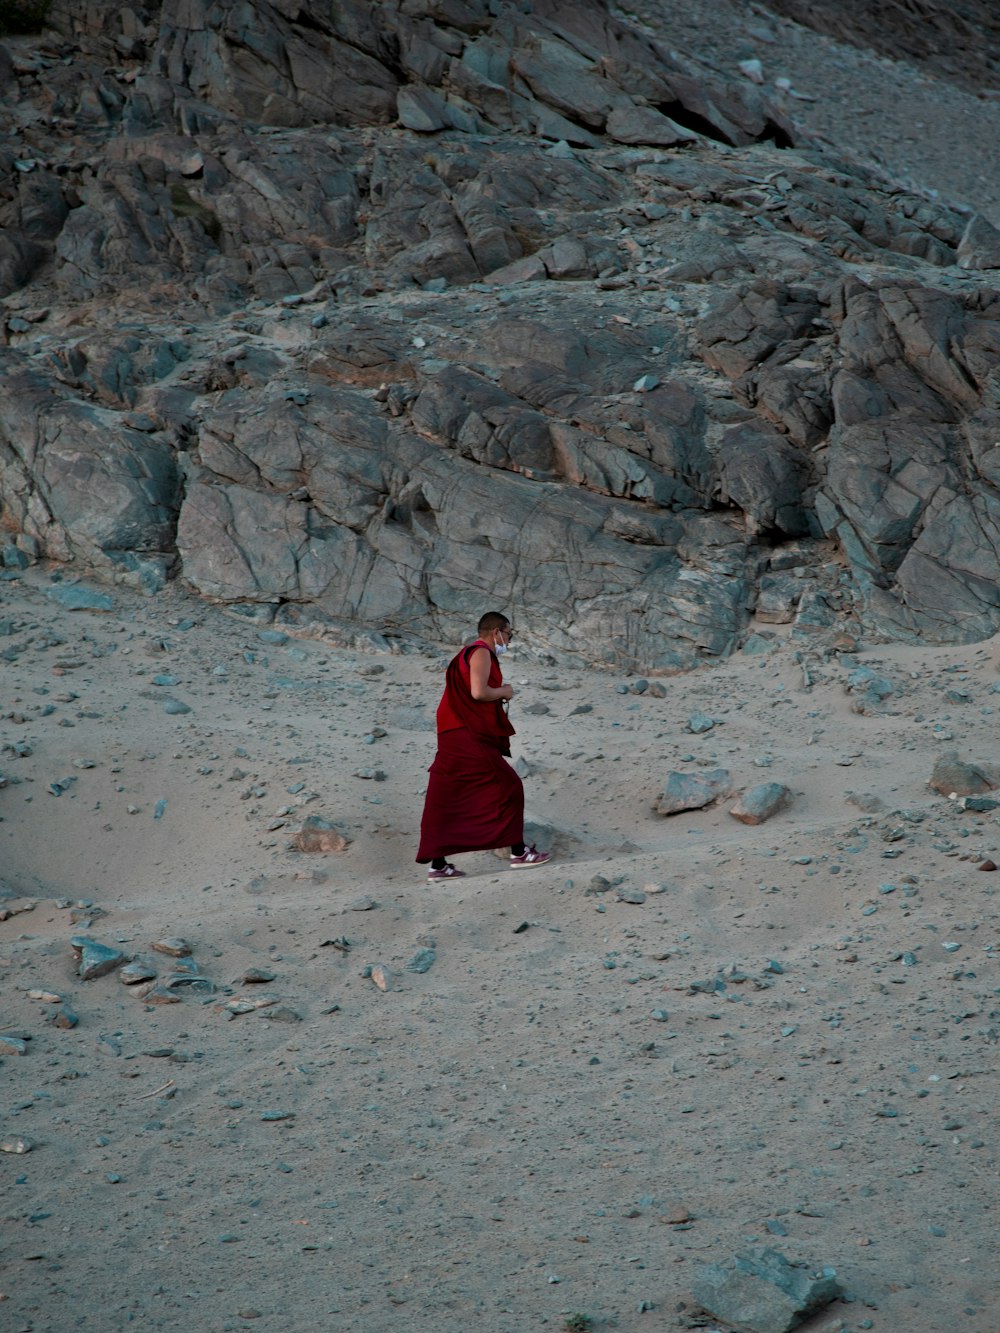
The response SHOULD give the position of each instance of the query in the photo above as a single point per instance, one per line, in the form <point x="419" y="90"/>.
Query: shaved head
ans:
<point x="492" y="620"/>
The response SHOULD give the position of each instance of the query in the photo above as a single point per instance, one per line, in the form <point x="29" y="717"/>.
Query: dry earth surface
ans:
<point x="791" y="1038"/>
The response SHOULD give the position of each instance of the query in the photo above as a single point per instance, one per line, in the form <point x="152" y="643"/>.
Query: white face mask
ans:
<point x="500" y="649"/>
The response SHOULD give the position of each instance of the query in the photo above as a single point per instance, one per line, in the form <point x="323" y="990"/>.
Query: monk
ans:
<point x="475" y="800"/>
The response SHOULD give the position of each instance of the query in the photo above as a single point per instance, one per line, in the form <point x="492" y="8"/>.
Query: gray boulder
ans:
<point x="758" y="804"/>
<point x="95" y="959"/>
<point x="692" y="791"/>
<point x="954" y="776"/>
<point x="980" y="245"/>
<point x="777" y="598"/>
<point x="645" y="125"/>
<point x="762" y="1292"/>
<point x="81" y="482"/>
<point x="766" y="477"/>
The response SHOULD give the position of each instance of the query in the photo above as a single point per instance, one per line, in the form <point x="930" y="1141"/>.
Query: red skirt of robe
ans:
<point x="474" y="802"/>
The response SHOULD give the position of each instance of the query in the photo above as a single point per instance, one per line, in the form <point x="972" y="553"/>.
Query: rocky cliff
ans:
<point x="382" y="315"/>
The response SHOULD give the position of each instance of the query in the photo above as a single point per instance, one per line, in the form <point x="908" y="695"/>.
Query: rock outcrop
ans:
<point x="385" y="314"/>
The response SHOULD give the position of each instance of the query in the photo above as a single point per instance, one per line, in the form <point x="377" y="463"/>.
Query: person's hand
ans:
<point x="506" y="691"/>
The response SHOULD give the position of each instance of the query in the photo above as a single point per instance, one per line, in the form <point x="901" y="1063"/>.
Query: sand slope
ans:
<point x="583" y="1097"/>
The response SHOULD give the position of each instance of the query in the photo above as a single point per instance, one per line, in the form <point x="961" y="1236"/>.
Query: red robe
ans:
<point x="475" y="800"/>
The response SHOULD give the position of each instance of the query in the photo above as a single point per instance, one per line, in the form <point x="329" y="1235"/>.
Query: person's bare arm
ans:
<point x="479" y="675"/>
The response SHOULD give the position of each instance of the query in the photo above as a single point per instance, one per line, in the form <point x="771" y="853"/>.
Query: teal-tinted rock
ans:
<point x="980" y="804"/>
<point x="96" y="960"/>
<point x="761" y="802"/>
<point x="692" y="791"/>
<point x="870" y="682"/>
<point x="422" y="961"/>
<point x="75" y="597"/>
<point x="290" y="683"/>
<point x="14" y="558"/>
<point x="761" y="1292"/>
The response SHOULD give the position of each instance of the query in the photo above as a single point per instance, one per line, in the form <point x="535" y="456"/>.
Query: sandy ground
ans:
<point x="584" y="1097"/>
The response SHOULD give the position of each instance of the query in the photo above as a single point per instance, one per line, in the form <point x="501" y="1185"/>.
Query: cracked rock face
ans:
<point x="391" y="313"/>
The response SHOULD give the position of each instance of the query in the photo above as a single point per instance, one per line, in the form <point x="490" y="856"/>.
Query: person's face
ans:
<point x="502" y="637"/>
